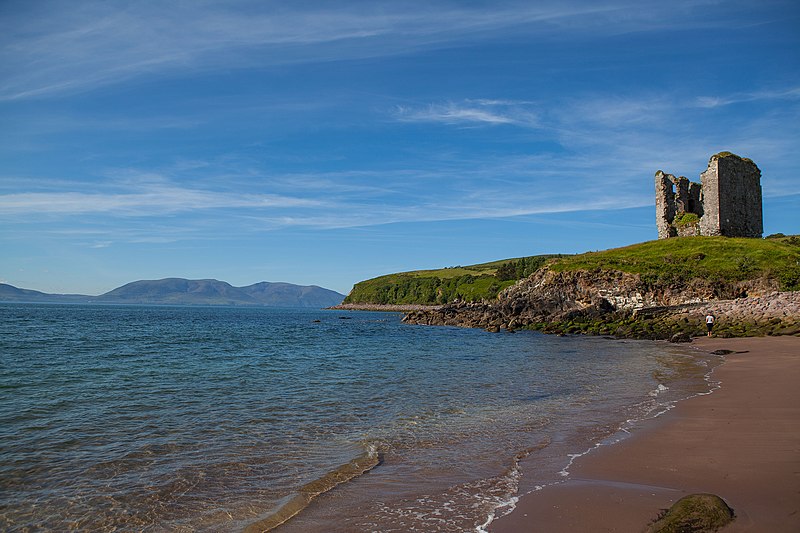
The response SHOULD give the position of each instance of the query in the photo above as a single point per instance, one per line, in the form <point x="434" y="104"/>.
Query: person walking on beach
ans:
<point x="709" y="323"/>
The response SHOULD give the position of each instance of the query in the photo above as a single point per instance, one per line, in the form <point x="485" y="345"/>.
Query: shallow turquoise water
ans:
<point x="128" y="418"/>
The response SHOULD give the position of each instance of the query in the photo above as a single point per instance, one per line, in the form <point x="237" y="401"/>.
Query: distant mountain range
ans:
<point x="178" y="291"/>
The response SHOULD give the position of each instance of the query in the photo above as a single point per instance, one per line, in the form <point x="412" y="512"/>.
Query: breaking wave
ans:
<point x="306" y="494"/>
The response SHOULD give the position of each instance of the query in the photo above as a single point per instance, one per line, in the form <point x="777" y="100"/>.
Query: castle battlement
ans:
<point x="727" y="201"/>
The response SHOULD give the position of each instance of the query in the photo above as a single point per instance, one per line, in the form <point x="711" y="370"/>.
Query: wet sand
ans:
<point x="742" y="442"/>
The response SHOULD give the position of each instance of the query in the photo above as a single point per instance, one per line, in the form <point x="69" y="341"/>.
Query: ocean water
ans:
<point x="143" y="418"/>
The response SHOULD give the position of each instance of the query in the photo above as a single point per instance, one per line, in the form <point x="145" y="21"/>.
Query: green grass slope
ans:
<point x="431" y="287"/>
<point x="659" y="262"/>
<point x="666" y="261"/>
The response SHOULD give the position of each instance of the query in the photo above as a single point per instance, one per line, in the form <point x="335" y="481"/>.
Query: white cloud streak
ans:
<point x="324" y="201"/>
<point x="52" y="48"/>
<point x="159" y="201"/>
<point x="722" y="101"/>
<point x="470" y="112"/>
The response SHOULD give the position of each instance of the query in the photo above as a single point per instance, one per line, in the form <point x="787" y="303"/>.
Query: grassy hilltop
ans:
<point x="432" y="287"/>
<point x="711" y="258"/>
<point x="659" y="262"/>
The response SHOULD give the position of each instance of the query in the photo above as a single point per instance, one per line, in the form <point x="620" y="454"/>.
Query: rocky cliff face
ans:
<point x="549" y="297"/>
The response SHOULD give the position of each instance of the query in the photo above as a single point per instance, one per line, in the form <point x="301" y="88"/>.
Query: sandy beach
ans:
<point x="741" y="442"/>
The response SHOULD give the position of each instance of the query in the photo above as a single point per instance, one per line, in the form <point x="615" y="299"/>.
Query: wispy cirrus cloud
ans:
<point x="470" y="112"/>
<point x="792" y="93"/>
<point x="476" y="189"/>
<point x="155" y="201"/>
<point x="52" y="48"/>
<point x="624" y="134"/>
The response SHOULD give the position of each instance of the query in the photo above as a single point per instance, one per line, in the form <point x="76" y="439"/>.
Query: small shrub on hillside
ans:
<point x="686" y="219"/>
<point x="789" y="278"/>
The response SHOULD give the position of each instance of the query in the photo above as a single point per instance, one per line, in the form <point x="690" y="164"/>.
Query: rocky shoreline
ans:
<point x="619" y="304"/>
<point x="772" y="314"/>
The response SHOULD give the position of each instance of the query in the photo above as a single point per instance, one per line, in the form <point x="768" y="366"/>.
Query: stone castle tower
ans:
<point x="727" y="201"/>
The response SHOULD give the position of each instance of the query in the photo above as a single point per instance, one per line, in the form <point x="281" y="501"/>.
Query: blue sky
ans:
<point x="330" y="142"/>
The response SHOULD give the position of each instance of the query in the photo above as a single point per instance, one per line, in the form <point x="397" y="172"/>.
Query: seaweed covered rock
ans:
<point x="696" y="513"/>
<point x="681" y="337"/>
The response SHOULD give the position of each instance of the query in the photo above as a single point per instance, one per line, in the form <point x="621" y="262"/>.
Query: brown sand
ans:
<point x="742" y="442"/>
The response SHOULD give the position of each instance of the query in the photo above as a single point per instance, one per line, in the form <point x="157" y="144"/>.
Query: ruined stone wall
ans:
<point x="731" y="188"/>
<point x="674" y="198"/>
<point x="665" y="205"/>
<point x="727" y="201"/>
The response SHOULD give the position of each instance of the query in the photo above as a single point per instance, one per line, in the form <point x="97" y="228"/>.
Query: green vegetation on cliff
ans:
<point x="731" y="154"/>
<point x="686" y="219"/>
<point x="430" y="287"/>
<point x="667" y="261"/>
<point x="659" y="263"/>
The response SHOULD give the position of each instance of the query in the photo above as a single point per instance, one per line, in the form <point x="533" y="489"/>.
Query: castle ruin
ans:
<point x="727" y="201"/>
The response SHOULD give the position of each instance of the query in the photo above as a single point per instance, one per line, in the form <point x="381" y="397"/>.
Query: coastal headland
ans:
<point x="709" y="249"/>
<point x="741" y="442"/>
<point x="653" y="290"/>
